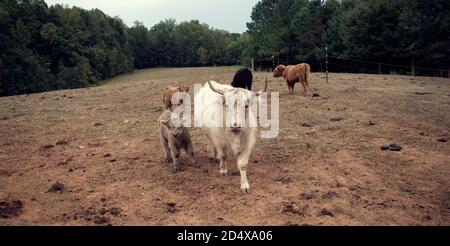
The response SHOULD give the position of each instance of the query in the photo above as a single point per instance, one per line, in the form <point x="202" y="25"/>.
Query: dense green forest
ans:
<point x="53" y="48"/>
<point x="405" y="32"/>
<point x="47" y="48"/>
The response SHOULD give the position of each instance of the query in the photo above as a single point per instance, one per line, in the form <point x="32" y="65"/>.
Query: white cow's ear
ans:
<point x="263" y="90"/>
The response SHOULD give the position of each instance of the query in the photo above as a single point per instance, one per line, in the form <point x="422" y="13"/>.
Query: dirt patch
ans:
<point x="47" y="146"/>
<point x="395" y="147"/>
<point x="326" y="212"/>
<point x="98" y="216"/>
<point x="284" y="180"/>
<point x="10" y="209"/>
<point x="57" y="188"/>
<point x="62" y="142"/>
<point x="329" y="195"/>
<point x="336" y="119"/>
<point x="171" y="207"/>
<point x="307" y="196"/>
<point x="423" y="93"/>
<point x="292" y="176"/>
<point x="442" y="140"/>
<point x="291" y="207"/>
<point x="391" y="147"/>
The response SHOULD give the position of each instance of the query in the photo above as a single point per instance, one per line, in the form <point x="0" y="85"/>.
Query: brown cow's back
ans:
<point x="293" y="74"/>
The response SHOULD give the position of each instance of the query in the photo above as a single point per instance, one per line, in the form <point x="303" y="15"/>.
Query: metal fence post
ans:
<point x="273" y="62"/>
<point x="326" y="61"/>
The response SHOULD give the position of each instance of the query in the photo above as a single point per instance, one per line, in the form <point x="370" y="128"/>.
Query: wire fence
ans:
<point x="347" y="65"/>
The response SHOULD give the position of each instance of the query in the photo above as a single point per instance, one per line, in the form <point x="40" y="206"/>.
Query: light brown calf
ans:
<point x="174" y="136"/>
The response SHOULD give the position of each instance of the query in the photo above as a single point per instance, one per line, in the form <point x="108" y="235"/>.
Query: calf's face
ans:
<point x="175" y="124"/>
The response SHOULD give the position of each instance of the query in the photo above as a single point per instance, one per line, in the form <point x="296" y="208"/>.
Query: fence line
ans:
<point x="352" y="68"/>
<point x="340" y="64"/>
<point x="387" y="64"/>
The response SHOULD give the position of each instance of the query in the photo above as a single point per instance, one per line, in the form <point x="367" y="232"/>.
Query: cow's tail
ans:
<point x="308" y="74"/>
<point x="308" y="79"/>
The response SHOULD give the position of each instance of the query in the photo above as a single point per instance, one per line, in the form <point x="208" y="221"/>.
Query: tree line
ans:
<point x="186" y="44"/>
<point x="405" y="32"/>
<point x="46" y="48"/>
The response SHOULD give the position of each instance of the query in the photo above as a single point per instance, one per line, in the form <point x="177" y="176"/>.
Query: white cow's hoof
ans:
<point x="223" y="173"/>
<point x="245" y="190"/>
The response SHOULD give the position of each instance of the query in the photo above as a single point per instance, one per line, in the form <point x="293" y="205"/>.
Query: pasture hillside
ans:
<point x="92" y="156"/>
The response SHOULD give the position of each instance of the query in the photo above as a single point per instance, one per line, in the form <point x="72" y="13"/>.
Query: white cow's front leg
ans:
<point x="223" y="164"/>
<point x="242" y="162"/>
<point x="211" y="152"/>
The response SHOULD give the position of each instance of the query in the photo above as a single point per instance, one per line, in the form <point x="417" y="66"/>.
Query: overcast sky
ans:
<point x="230" y="15"/>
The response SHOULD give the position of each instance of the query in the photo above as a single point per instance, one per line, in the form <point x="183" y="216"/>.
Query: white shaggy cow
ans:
<point x="228" y="117"/>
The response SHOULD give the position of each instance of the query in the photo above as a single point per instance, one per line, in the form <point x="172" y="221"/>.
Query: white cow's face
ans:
<point x="237" y="103"/>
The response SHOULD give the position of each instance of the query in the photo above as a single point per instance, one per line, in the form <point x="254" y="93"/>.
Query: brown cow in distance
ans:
<point x="293" y="74"/>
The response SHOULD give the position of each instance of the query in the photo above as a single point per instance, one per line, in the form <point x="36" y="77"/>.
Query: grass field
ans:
<point x="102" y="144"/>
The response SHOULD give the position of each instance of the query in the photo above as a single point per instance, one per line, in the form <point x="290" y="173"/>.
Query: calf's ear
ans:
<point x="183" y="88"/>
<point x="165" y="122"/>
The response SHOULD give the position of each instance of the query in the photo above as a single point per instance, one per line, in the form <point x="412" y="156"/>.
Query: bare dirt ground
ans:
<point x="101" y="145"/>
